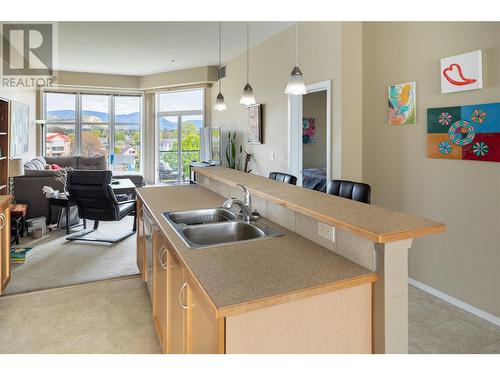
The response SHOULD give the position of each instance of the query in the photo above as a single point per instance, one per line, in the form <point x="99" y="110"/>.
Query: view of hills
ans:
<point x="65" y="116"/>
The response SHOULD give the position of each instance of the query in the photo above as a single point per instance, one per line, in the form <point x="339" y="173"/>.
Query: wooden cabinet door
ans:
<point x="4" y="247"/>
<point x="176" y="298"/>
<point x="160" y="274"/>
<point x="141" y="240"/>
<point x="205" y="333"/>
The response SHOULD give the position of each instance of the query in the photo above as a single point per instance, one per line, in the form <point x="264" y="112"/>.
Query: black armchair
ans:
<point x="283" y="177"/>
<point x="94" y="197"/>
<point x="356" y="191"/>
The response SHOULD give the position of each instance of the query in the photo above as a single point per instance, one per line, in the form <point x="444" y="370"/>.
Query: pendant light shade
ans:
<point x="220" y="104"/>
<point x="296" y="85"/>
<point x="247" y="98"/>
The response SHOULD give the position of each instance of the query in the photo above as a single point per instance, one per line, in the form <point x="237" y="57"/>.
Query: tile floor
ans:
<point x="435" y="326"/>
<point x="115" y="317"/>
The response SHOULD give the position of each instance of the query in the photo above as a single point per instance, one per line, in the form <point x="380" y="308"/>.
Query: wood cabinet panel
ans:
<point x="176" y="317"/>
<point x="141" y="240"/>
<point x="160" y="289"/>
<point x="335" y="322"/>
<point x="4" y="242"/>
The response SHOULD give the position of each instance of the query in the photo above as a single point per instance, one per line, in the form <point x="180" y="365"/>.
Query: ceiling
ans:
<point x="141" y="48"/>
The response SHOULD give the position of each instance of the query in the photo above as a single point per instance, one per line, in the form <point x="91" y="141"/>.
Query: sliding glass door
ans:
<point x="180" y="119"/>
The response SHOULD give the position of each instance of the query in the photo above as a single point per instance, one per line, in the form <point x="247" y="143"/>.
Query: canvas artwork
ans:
<point x="462" y="72"/>
<point x="254" y="131"/>
<point x="19" y="129"/>
<point x="308" y="131"/>
<point x="402" y="107"/>
<point x="470" y="132"/>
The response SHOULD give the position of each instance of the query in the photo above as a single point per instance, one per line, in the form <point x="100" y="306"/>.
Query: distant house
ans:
<point x="57" y="144"/>
<point x="129" y="151"/>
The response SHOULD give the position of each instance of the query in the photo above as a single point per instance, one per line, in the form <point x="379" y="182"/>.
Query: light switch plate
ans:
<point x="326" y="231"/>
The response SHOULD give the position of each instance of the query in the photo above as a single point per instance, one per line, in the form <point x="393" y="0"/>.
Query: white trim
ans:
<point x="295" y="111"/>
<point x="456" y="302"/>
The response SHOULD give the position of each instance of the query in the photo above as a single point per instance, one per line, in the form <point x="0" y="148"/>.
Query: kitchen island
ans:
<point x="279" y="295"/>
<point x="375" y="237"/>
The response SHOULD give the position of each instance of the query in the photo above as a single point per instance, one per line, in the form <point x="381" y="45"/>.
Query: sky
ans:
<point x="99" y="103"/>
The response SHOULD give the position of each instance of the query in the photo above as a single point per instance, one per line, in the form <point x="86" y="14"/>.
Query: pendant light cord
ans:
<point x="296" y="44"/>
<point x="248" y="52"/>
<point x="220" y="53"/>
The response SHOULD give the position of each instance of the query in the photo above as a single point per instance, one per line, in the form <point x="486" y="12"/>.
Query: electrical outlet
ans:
<point x="272" y="155"/>
<point x="326" y="231"/>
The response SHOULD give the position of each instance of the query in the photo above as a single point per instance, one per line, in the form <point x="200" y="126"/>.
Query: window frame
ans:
<point x="78" y="123"/>
<point x="179" y="115"/>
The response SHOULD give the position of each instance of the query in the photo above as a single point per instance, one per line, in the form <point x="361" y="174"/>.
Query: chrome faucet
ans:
<point x="245" y="206"/>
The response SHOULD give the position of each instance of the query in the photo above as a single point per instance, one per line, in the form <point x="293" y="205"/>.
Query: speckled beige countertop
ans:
<point x="263" y="272"/>
<point x="377" y="224"/>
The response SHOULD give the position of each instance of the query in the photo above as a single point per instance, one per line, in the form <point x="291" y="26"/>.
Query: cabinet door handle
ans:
<point x="185" y="307"/>
<point x="162" y="251"/>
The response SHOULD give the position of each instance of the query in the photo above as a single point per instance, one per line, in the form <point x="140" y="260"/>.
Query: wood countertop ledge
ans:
<point x="254" y="274"/>
<point x="374" y="223"/>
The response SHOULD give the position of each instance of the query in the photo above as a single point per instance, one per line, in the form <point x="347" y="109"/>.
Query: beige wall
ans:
<point x="314" y="106"/>
<point x="26" y="97"/>
<point x="465" y="261"/>
<point x="322" y="46"/>
<point x="97" y="80"/>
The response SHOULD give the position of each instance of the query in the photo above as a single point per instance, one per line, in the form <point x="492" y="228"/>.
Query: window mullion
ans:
<point x="78" y="125"/>
<point x="111" y="131"/>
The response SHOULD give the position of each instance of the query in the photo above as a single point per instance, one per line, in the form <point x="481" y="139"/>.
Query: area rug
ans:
<point x="57" y="262"/>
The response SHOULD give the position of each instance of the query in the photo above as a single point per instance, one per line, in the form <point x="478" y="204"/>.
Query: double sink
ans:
<point x="215" y="227"/>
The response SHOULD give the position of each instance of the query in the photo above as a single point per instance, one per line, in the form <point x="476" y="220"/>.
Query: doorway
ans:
<point x="180" y="117"/>
<point x="310" y="134"/>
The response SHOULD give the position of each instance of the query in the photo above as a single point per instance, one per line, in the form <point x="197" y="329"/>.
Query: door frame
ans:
<point x="295" y="115"/>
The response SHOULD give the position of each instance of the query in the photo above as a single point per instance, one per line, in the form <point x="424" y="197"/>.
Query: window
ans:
<point x="95" y="124"/>
<point x="180" y="118"/>
<point x="61" y="120"/>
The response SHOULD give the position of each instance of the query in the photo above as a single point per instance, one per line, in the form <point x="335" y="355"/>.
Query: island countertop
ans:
<point x="252" y="274"/>
<point x="374" y="223"/>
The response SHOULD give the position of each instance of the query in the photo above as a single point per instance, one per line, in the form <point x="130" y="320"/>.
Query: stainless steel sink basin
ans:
<point x="222" y="233"/>
<point x="215" y="227"/>
<point x="203" y="216"/>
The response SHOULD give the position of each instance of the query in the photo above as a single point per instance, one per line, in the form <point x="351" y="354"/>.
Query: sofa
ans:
<point x="28" y="188"/>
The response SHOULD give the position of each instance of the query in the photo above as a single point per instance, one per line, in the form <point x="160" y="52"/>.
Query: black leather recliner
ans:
<point x="283" y="177"/>
<point x="356" y="191"/>
<point x="95" y="199"/>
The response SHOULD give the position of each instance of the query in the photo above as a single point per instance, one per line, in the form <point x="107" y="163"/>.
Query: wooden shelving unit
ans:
<point x="4" y="145"/>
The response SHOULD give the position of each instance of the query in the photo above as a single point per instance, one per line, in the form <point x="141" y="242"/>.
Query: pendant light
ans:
<point x="296" y="85"/>
<point x="247" y="98"/>
<point x="220" y="104"/>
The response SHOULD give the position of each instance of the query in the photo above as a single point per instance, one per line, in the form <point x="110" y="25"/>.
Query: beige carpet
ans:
<point x="103" y="317"/>
<point x="57" y="262"/>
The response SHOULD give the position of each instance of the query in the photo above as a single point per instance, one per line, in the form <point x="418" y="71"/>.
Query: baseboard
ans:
<point x="456" y="302"/>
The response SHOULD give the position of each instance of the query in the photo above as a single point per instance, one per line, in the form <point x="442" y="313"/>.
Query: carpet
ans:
<point x="57" y="262"/>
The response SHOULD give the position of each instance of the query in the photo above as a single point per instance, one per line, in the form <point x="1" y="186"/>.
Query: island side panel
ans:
<point x="390" y="298"/>
<point x="335" y="322"/>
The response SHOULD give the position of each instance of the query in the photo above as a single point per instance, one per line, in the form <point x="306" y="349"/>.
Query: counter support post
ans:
<point x="390" y="298"/>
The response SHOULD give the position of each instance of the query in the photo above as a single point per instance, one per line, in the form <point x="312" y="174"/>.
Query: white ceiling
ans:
<point x="141" y="48"/>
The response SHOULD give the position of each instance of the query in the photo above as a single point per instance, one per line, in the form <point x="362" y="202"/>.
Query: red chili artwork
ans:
<point x="463" y="82"/>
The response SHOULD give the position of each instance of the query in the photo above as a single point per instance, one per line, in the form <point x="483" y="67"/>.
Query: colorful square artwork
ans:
<point x="470" y="132"/>
<point x="462" y="72"/>
<point x="402" y="104"/>
<point x="308" y="131"/>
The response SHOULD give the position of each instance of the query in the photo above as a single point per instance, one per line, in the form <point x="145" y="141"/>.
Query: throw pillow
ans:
<point x="56" y="167"/>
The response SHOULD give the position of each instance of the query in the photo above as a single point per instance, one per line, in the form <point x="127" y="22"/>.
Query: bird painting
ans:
<point x="402" y="104"/>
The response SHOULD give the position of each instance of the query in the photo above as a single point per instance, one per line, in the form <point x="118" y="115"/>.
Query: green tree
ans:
<point x="190" y="149"/>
